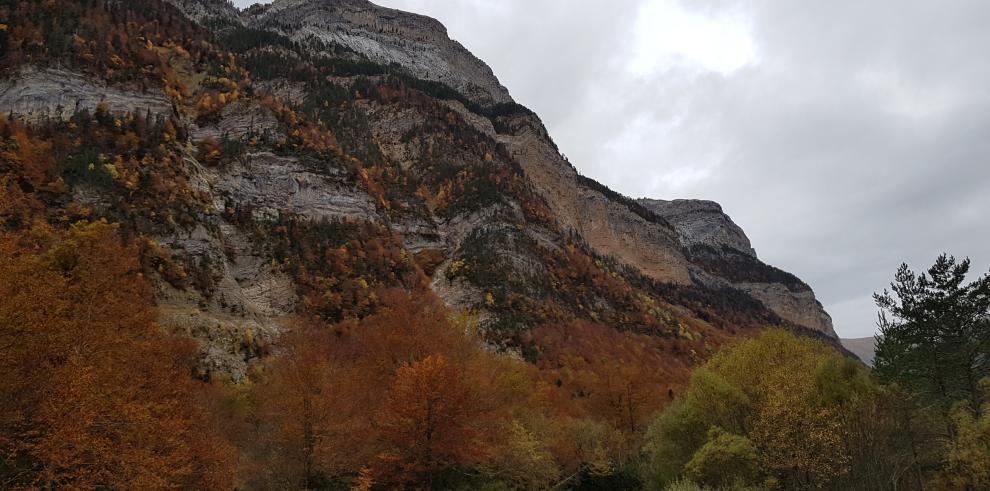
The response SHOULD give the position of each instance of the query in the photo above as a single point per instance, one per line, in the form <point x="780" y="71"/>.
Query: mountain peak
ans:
<point x="701" y="222"/>
<point x="418" y="44"/>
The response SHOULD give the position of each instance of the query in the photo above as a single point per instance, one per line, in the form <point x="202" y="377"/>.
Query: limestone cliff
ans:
<point x="661" y="249"/>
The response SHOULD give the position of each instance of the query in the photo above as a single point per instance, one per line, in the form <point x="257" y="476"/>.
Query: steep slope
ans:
<point x="638" y="234"/>
<point x="208" y="11"/>
<point x="607" y="222"/>
<point x="311" y="155"/>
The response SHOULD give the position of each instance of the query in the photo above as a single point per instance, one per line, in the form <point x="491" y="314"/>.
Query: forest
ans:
<point x="376" y="383"/>
<point x="95" y="396"/>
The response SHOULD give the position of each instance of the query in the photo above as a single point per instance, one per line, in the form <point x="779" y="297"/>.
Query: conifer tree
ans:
<point x="935" y="332"/>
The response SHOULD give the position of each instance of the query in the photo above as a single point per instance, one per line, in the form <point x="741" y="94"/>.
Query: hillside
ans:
<point x="321" y="162"/>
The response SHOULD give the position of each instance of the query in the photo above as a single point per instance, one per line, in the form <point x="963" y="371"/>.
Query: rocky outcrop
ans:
<point x="238" y="120"/>
<point x="205" y="11"/>
<point x="416" y="43"/>
<point x="700" y="222"/>
<point x="800" y="307"/>
<point x="269" y="185"/>
<point x="684" y="245"/>
<point x="35" y="94"/>
<point x="686" y="242"/>
<point x="605" y="224"/>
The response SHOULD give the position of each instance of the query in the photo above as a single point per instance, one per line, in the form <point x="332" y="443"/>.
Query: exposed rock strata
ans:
<point x="685" y="242"/>
<point x="270" y="184"/>
<point x="204" y="11"/>
<point x="36" y="94"/>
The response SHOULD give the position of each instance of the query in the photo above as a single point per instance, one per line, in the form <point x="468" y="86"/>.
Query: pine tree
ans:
<point x="935" y="332"/>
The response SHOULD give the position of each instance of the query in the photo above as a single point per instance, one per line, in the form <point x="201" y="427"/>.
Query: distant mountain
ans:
<point x="864" y="348"/>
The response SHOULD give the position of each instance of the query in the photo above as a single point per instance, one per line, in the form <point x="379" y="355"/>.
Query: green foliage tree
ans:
<point x="783" y="412"/>
<point x="725" y="460"/>
<point x="935" y="332"/>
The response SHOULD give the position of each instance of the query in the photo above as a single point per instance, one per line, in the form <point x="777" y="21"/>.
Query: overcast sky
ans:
<point x="845" y="137"/>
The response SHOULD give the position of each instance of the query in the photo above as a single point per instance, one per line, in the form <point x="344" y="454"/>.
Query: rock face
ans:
<point x="688" y="242"/>
<point x="417" y="43"/>
<point x="237" y="120"/>
<point x="606" y="224"/>
<point x="700" y="222"/>
<point x="35" y="94"/>
<point x="270" y="185"/>
<point x="202" y="11"/>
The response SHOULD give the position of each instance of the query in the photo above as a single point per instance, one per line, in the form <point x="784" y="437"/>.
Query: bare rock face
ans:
<point x="240" y="119"/>
<point x="416" y="43"/>
<point x="35" y="94"/>
<point x="203" y="11"/>
<point x="800" y="307"/>
<point x="686" y="242"/>
<point x="700" y="222"/>
<point x="692" y="244"/>
<point x="607" y="225"/>
<point x="270" y="184"/>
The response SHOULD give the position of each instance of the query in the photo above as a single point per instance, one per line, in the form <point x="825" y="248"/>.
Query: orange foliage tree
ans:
<point x="405" y="393"/>
<point x="613" y="376"/>
<point x="92" y="394"/>
<point x="429" y="418"/>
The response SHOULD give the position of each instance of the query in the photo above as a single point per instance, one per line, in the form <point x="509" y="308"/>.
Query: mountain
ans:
<point x="863" y="348"/>
<point x="305" y="157"/>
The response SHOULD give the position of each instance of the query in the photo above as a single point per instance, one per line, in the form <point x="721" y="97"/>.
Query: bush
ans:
<point x="725" y="460"/>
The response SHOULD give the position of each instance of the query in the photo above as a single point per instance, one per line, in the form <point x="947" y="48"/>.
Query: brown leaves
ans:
<point x="430" y="417"/>
<point x="406" y="392"/>
<point x="612" y="376"/>
<point x="209" y="150"/>
<point x="93" y="392"/>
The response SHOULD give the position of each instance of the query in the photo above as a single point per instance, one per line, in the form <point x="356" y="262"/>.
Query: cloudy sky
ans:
<point x="845" y="137"/>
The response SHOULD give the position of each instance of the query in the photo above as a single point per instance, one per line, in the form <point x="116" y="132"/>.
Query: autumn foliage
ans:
<point x="93" y="394"/>
<point x="406" y="393"/>
<point x="578" y="377"/>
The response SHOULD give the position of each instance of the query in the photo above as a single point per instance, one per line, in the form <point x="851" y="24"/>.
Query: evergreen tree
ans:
<point x="935" y="332"/>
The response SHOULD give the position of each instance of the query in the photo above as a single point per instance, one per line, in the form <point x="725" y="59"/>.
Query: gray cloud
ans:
<point x="855" y="139"/>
